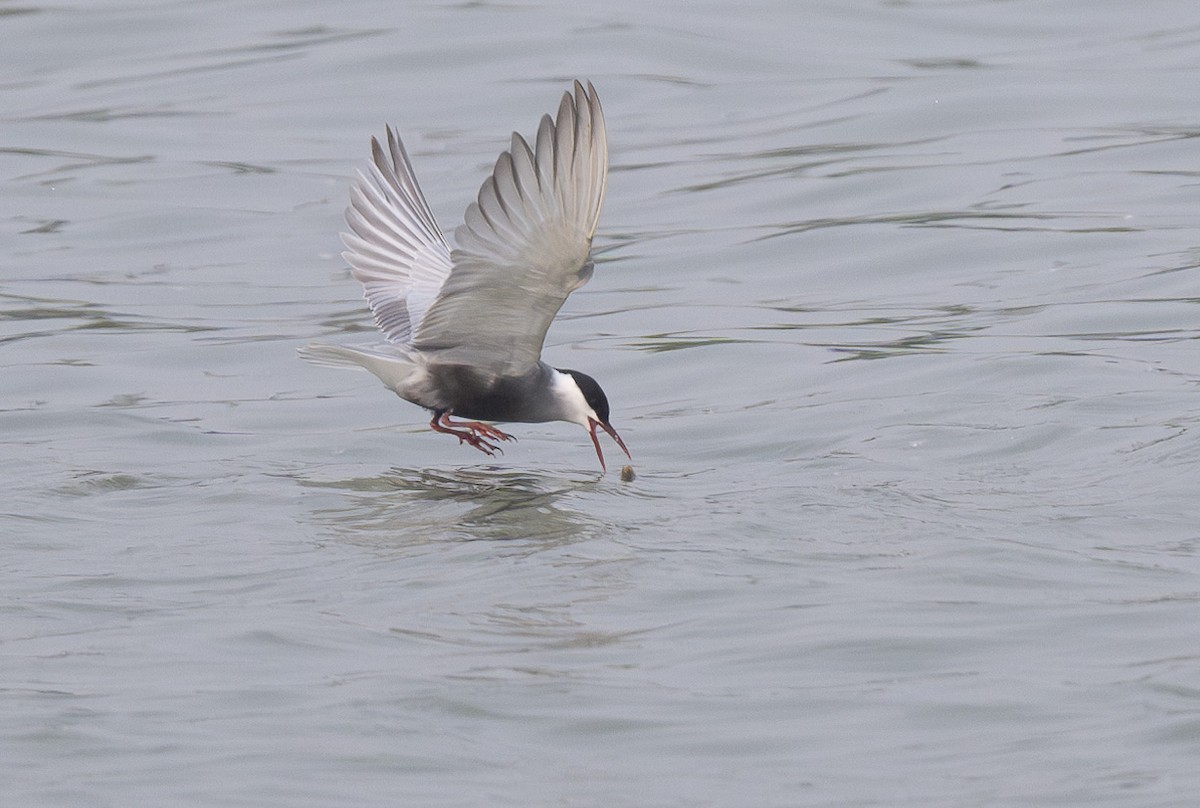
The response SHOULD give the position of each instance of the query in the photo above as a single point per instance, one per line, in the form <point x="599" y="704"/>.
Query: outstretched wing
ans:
<point x="394" y="246"/>
<point x="524" y="244"/>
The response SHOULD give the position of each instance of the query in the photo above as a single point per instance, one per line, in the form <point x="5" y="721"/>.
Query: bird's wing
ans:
<point x="394" y="246"/>
<point x="524" y="244"/>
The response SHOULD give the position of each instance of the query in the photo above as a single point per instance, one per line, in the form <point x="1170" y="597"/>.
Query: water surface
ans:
<point x="896" y="307"/>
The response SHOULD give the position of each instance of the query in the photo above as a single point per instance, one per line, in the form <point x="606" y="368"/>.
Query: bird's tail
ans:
<point x="335" y="356"/>
<point x="392" y="366"/>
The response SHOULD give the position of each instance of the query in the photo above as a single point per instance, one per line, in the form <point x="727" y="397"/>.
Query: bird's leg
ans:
<point x="476" y="427"/>
<point x="475" y="433"/>
<point x="441" y="423"/>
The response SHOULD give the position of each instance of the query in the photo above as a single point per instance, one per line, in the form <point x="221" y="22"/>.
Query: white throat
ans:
<point x="573" y="406"/>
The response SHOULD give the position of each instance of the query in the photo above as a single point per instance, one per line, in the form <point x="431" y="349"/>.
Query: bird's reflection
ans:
<point x="409" y="505"/>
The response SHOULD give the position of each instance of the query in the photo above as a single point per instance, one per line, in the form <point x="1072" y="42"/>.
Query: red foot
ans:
<point x="476" y="433"/>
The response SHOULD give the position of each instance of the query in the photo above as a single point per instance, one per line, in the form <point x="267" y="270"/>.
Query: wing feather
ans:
<point x="524" y="244"/>
<point x="394" y="246"/>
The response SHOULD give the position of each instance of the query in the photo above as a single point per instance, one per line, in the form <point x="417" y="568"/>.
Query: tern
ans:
<point x="465" y="326"/>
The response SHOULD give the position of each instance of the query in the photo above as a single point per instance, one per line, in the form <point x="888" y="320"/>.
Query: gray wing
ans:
<point x="394" y="246"/>
<point x="524" y="244"/>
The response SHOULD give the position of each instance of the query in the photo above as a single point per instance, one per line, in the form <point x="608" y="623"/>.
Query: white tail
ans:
<point x="334" y="356"/>
<point x="392" y="365"/>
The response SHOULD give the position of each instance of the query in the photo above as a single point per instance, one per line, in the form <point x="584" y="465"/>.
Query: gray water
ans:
<point x="897" y="309"/>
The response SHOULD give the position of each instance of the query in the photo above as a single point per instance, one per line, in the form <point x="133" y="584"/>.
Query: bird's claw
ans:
<point x="479" y="443"/>
<point x="475" y="433"/>
<point x="478" y="428"/>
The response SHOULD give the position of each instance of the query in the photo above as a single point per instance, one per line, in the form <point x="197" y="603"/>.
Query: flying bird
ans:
<point x="465" y="326"/>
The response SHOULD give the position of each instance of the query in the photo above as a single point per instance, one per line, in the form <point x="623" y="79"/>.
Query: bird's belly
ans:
<point x="480" y="396"/>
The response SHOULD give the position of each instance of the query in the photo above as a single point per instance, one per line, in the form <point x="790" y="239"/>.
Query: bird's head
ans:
<point x="590" y="410"/>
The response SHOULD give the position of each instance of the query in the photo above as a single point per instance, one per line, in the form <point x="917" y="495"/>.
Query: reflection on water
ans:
<point x="68" y="315"/>
<point x="658" y="343"/>
<point x="427" y="505"/>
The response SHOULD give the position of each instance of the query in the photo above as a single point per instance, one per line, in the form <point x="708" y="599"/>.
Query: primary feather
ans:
<point x="524" y="244"/>
<point x="394" y="247"/>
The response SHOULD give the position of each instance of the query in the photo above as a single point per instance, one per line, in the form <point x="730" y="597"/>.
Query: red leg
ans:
<point x="476" y="428"/>
<point x="475" y="433"/>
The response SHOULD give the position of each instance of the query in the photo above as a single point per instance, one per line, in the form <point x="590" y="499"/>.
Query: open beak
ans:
<point x="592" y="424"/>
